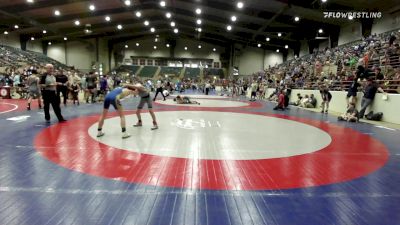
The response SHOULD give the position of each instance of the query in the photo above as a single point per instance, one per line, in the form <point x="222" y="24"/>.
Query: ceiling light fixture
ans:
<point x="214" y="49"/>
<point x="323" y="1"/>
<point x="92" y="7"/>
<point x="162" y="3"/>
<point x="127" y="2"/>
<point x="29" y="1"/>
<point x="186" y="48"/>
<point x="57" y="12"/>
<point x="233" y="18"/>
<point x="126" y="46"/>
<point x="198" y="21"/>
<point x="49" y="43"/>
<point x="77" y="23"/>
<point x="199" y="29"/>
<point x="173" y="24"/>
<point x="16" y="26"/>
<point x="277" y="50"/>
<point x="296" y="18"/>
<point x="168" y="15"/>
<point x="44" y="31"/>
<point x="279" y="34"/>
<point x="152" y="30"/>
<point x="137" y="44"/>
<point x="198" y="11"/>
<point x="5" y="32"/>
<point x="176" y="30"/>
<point x="320" y="31"/>
<point x="155" y="47"/>
<point x="32" y="38"/>
<point x="259" y="45"/>
<point x="119" y="27"/>
<point x="199" y="46"/>
<point x="229" y="27"/>
<point x="167" y="45"/>
<point x="240" y="5"/>
<point x="65" y="38"/>
<point x="267" y="39"/>
<point x="286" y="46"/>
<point x="107" y="18"/>
<point x="146" y="23"/>
<point x="138" y="14"/>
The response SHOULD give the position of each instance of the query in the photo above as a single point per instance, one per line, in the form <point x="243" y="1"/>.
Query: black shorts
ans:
<point x="253" y="94"/>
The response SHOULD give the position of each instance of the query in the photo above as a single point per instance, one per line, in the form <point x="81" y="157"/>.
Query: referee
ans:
<point x="49" y="94"/>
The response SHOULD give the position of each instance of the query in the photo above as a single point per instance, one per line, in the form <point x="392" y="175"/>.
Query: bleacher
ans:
<point x="337" y="65"/>
<point x="132" y="69"/>
<point x="174" y="71"/>
<point x="15" y="57"/>
<point x="211" y="72"/>
<point x="148" y="71"/>
<point x="192" y="73"/>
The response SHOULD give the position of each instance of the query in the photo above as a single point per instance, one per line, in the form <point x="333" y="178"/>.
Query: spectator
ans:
<point x="33" y="85"/>
<point x="281" y="101"/>
<point x="378" y="74"/>
<point x="351" y="114"/>
<point x="298" y="101"/>
<point x="91" y="83"/>
<point x="311" y="102"/>
<point x="326" y="99"/>
<point x="207" y="87"/>
<point x="74" y="90"/>
<point x="254" y="87"/>
<point x="62" y="82"/>
<point x="369" y="94"/>
<point x="110" y="83"/>
<point x="352" y="92"/>
<point x="103" y="85"/>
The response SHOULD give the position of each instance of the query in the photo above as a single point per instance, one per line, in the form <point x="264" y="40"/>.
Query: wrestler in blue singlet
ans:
<point x="112" y="98"/>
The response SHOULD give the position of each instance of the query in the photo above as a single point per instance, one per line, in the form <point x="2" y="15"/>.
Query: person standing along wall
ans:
<point x="369" y="95"/>
<point x="91" y="83"/>
<point x="326" y="99"/>
<point x="62" y="82"/>
<point x="33" y="84"/>
<point x="207" y="87"/>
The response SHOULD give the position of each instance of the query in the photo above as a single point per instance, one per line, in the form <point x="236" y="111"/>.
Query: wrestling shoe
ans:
<point x="138" y="124"/>
<point x="125" y="135"/>
<point x="155" y="126"/>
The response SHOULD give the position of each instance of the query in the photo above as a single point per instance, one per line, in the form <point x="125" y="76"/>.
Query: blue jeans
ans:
<point x="364" y="104"/>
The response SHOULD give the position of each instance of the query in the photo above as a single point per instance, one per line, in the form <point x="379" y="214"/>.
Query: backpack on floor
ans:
<point x="374" y="116"/>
